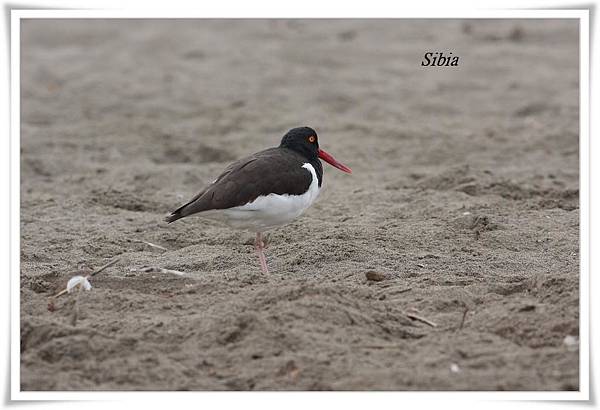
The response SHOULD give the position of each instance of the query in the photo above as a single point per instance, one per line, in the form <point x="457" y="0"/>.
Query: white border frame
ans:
<point x="248" y="11"/>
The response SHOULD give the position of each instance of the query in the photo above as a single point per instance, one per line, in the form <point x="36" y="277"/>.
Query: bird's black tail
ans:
<point x="184" y="210"/>
<point x="174" y="216"/>
<point x="178" y="213"/>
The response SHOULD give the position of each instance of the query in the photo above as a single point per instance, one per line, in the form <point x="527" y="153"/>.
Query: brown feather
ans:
<point x="272" y="171"/>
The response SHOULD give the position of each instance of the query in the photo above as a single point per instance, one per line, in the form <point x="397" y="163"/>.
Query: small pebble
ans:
<point x="375" y="276"/>
<point x="454" y="368"/>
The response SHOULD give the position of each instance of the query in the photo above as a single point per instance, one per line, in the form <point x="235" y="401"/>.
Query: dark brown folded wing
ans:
<point x="272" y="171"/>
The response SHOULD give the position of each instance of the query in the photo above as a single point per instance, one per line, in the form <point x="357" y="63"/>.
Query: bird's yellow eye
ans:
<point x="312" y="139"/>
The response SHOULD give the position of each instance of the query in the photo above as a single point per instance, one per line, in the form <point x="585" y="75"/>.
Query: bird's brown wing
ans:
<point x="272" y="171"/>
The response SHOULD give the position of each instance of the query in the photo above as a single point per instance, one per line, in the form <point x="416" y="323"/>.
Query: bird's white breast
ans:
<point x="272" y="210"/>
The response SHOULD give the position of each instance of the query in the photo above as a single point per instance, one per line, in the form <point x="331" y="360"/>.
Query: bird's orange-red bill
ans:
<point x="330" y="160"/>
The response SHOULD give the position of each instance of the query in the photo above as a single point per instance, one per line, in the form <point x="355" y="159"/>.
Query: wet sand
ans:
<point x="464" y="198"/>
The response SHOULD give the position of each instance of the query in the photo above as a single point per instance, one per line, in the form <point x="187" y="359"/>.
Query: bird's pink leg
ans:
<point x="259" y="245"/>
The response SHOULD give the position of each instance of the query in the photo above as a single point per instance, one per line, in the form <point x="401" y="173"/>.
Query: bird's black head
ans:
<point x="303" y="140"/>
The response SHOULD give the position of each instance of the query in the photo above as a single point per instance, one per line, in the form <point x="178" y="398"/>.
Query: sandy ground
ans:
<point x="464" y="197"/>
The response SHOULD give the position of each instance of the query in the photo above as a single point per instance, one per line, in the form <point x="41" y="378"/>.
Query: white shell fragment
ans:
<point x="76" y="281"/>
<point x="454" y="368"/>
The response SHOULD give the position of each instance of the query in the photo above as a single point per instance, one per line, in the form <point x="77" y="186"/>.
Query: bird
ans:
<point x="265" y="190"/>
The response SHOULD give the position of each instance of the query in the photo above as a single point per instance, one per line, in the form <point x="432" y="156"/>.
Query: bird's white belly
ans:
<point x="270" y="211"/>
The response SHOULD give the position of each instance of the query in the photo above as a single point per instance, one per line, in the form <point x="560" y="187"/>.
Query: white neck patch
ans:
<point x="313" y="189"/>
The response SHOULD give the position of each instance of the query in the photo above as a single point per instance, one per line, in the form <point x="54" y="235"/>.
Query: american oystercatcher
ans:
<point x="265" y="190"/>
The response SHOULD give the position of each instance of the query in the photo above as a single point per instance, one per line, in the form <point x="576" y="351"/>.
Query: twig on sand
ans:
<point x="62" y="292"/>
<point x="107" y="265"/>
<point x="402" y="290"/>
<point x="153" y="245"/>
<point x="420" y="319"/>
<point x="464" y="316"/>
<point x="392" y="290"/>
<point x="155" y="269"/>
<point x="390" y="346"/>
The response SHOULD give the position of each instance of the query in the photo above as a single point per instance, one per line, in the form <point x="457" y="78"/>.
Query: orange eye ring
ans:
<point x="312" y="139"/>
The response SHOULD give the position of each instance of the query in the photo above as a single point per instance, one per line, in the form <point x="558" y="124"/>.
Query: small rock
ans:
<point x="527" y="308"/>
<point x="347" y="35"/>
<point x="454" y="368"/>
<point x="516" y="34"/>
<point x="375" y="276"/>
<point x="468" y="188"/>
